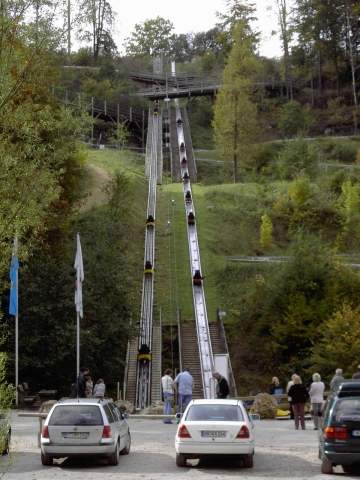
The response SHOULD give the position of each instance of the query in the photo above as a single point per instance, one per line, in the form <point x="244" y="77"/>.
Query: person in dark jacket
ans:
<point x="222" y="388"/>
<point x="299" y="396"/>
<point x="81" y="382"/>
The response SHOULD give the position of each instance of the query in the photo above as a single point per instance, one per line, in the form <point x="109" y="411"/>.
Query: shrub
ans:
<point x="297" y="158"/>
<point x="7" y="395"/>
<point x="265" y="405"/>
<point x="266" y="230"/>
<point x="294" y="119"/>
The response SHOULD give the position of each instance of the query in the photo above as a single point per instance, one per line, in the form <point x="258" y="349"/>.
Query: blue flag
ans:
<point x="13" y="304"/>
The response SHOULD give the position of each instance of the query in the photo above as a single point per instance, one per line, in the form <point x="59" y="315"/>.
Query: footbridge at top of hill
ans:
<point x="166" y="86"/>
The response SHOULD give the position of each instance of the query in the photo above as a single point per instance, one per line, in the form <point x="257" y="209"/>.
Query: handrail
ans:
<point x="202" y="324"/>
<point x="223" y="334"/>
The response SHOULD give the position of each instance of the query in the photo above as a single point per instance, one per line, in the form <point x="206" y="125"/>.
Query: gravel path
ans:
<point x="280" y="453"/>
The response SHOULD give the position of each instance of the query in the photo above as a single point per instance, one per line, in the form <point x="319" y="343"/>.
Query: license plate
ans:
<point x="213" y="434"/>
<point x="78" y="435"/>
<point x="356" y="433"/>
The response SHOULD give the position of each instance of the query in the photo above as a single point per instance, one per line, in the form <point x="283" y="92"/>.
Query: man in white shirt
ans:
<point x="184" y="382"/>
<point x="167" y="385"/>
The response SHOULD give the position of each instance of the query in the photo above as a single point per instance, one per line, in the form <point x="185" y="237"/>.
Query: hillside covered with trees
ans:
<point x="282" y="138"/>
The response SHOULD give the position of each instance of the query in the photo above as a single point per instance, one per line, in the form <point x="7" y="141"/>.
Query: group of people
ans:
<point x="85" y="387"/>
<point x="182" y="387"/>
<point x="299" y="395"/>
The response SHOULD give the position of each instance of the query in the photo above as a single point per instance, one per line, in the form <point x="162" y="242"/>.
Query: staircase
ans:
<point x="156" y="363"/>
<point x="220" y="346"/>
<point x="217" y="339"/>
<point x="189" y="146"/>
<point x="190" y="356"/>
<point x="174" y="148"/>
<point x="131" y="370"/>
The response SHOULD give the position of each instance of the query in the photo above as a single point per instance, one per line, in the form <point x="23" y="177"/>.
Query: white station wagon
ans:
<point x="85" y="427"/>
<point x="215" y="427"/>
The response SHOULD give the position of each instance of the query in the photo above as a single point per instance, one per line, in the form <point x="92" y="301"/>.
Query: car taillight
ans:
<point x="336" y="433"/>
<point x="106" y="432"/>
<point x="243" y="432"/>
<point x="183" y="432"/>
<point x="45" y="432"/>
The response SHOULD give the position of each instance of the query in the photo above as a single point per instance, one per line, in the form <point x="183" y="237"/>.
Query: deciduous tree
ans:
<point x="235" y="114"/>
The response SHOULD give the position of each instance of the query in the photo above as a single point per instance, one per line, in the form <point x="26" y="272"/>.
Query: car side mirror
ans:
<point x="254" y="416"/>
<point x="178" y="415"/>
<point x="125" y="416"/>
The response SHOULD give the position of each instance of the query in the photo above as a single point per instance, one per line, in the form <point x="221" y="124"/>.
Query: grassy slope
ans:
<point x="110" y="162"/>
<point x="173" y="280"/>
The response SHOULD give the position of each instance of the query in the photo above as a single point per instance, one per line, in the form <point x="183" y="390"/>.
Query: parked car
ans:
<point x="215" y="427"/>
<point x="5" y="431"/>
<point x="85" y="427"/>
<point x="339" y="441"/>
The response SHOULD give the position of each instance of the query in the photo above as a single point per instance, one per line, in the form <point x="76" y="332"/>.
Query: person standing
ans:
<point x="336" y="380"/>
<point x="288" y="386"/>
<point x="167" y="385"/>
<point x="275" y="387"/>
<point x="356" y="375"/>
<point x="89" y="385"/>
<point x="222" y="387"/>
<point x="299" y="396"/>
<point x="99" y="389"/>
<point x="184" y="383"/>
<point x="316" y="393"/>
<point x="81" y="382"/>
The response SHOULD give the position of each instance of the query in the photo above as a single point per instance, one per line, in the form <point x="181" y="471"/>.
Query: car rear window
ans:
<point x="220" y="413"/>
<point x="76" y="415"/>
<point x="346" y="409"/>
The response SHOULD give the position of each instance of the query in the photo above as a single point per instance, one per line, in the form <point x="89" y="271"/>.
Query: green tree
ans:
<point x="294" y="119"/>
<point x="152" y="37"/>
<point x="243" y="11"/>
<point x="339" y="342"/>
<point x="297" y="158"/>
<point x="349" y="203"/>
<point x="266" y="231"/>
<point x="235" y="114"/>
<point x="95" y="20"/>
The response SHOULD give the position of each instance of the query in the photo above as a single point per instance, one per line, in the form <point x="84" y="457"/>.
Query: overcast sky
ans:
<point x="191" y="16"/>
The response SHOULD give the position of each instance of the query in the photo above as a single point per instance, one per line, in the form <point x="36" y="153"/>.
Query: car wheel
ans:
<point x="114" y="457"/>
<point x="126" y="450"/>
<point x="46" y="459"/>
<point x="180" y="460"/>
<point x="248" y="461"/>
<point x="326" y="466"/>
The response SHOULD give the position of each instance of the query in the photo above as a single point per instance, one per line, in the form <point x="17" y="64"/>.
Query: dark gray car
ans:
<point x="340" y="435"/>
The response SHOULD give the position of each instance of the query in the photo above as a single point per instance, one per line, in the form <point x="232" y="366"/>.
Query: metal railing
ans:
<point x="202" y="324"/>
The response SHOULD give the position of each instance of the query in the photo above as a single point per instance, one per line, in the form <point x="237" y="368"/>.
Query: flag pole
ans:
<point x="79" y="267"/>
<point x="16" y="329"/>
<point x="14" y="309"/>
<point x="77" y="344"/>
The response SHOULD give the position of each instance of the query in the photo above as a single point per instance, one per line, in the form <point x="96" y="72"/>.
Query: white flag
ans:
<point x="79" y="267"/>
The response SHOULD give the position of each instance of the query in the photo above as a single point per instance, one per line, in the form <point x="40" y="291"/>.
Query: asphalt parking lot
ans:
<point x="281" y="452"/>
